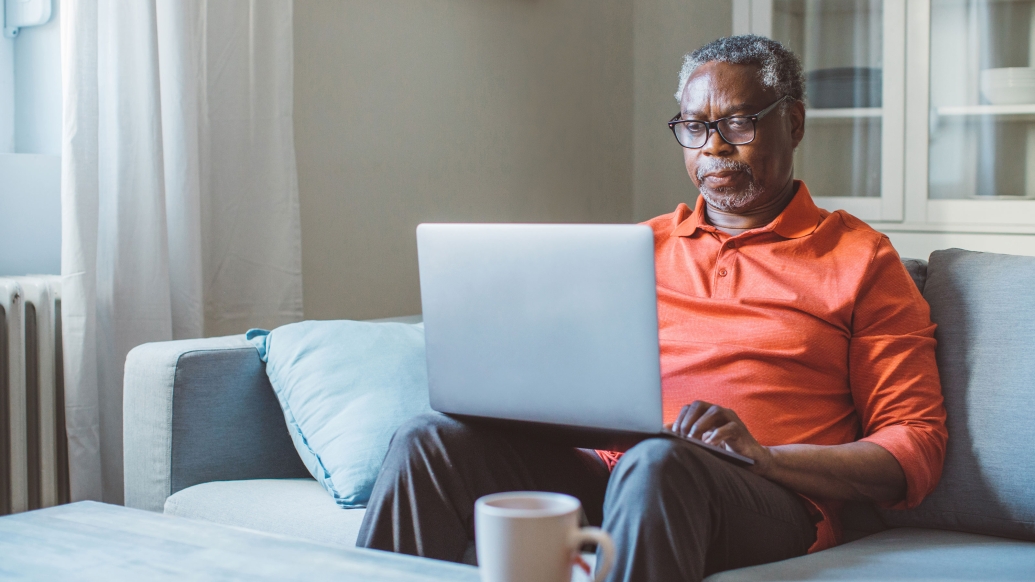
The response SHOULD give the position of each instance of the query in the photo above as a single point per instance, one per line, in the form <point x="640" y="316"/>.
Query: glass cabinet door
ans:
<point x="982" y="108"/>
<point x="852" y="52"/>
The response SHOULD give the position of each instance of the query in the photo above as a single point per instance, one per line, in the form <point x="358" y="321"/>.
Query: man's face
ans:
<point x="742" y="178"/>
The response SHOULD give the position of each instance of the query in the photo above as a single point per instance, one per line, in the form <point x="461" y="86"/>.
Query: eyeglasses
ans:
<point x="734" y="130"/>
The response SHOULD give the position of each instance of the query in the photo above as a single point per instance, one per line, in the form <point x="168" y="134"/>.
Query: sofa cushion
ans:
<point x="903" y="554"/>
<point x="917" y="269"/>
<point x="982" y="303"/>
<point x="294" y="507"/>
<point x="345" y="387"/>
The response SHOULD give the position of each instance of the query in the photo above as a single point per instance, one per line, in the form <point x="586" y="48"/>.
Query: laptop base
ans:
<point x="594" y="438"/>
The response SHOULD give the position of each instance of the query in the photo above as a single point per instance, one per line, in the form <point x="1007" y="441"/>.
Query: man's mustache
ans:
<point x="709" y="165"/>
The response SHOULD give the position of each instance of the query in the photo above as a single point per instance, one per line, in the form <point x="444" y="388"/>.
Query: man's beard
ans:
<point x="729" y="199"/>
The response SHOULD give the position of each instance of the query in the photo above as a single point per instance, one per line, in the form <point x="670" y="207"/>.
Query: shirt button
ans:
<point x="722" y="272"/>
<point x="732" y="244"/>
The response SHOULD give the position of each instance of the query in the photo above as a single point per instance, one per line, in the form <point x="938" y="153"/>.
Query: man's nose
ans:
<point x="716" y="146"/>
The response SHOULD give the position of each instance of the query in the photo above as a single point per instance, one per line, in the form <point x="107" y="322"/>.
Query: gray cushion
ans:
<point x="222" y="397"/>
<point x="904" y="554"/>
<point x="295" y="507"/>
<point x="983" y="306"/>
<point x="196" y="411"/>
<point x="917" y="269"/>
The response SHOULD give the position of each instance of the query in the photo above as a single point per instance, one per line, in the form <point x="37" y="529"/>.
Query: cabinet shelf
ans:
<point x="1025" y="111"/>
<point x="845" y="113"/>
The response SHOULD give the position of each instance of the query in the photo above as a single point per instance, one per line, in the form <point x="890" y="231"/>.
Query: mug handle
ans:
<point x="602" y="539"/>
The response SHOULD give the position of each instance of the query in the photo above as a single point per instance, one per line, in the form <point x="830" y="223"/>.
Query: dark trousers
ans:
<point x="674" y="511"/>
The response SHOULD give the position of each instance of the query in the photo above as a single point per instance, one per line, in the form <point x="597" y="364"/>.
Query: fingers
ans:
<point x="722" y="427"/>
<point x="729" y="432"/>
<point x="713" y="418"/>
<point x="699" y="417"/>
<point x="688" y="415"/>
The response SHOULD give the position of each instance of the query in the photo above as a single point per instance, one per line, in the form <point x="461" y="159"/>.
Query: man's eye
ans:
<point x="738" y="123"/>
<point x="696" y="128"/>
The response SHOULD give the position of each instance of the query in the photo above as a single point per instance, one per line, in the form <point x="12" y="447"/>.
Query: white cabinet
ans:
<point x="853" y="52"/>
<point x="947" y="155"/>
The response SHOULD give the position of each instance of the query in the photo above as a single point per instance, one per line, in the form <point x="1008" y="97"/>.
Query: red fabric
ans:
<point x="810" y="329"/>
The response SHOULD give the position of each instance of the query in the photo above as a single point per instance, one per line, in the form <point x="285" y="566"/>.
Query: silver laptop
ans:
<point x="551" y="329"/>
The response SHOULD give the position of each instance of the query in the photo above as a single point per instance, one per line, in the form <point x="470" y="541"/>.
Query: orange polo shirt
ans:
<point x="810" y="329"/>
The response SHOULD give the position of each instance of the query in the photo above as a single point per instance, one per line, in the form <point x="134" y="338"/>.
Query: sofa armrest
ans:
<point x="196" y="411"/>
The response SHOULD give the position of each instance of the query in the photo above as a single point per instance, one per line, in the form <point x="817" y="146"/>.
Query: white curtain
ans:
<point x="179" y="194"/>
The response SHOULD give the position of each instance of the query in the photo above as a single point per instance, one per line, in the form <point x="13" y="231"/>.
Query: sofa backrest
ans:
<point x="984" y="305"/>
<point x="917" y="269"/>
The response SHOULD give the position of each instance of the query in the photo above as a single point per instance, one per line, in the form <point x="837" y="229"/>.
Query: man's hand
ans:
<point x="861" y="470"/>
<point x="722" y="427"/>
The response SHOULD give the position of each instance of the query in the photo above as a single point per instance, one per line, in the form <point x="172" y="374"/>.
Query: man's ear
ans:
<point x="796" y="117"/>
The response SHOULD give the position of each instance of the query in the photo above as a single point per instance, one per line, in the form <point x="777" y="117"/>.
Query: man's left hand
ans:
<point x="861" y="471"/>
<point x="722" y="427"/>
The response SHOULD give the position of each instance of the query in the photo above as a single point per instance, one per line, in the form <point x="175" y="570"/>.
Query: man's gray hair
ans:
<point x="779" y="68"/>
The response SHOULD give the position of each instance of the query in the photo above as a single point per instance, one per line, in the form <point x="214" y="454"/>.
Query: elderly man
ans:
<point x="789" y="334"/>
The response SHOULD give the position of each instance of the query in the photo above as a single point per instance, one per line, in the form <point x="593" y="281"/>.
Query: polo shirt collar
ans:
<point x="800" y="217"/>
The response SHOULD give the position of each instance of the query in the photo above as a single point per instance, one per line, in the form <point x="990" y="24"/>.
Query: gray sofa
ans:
<point x="205" y="439"/>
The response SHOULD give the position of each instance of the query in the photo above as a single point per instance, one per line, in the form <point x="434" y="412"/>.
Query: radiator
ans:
<point x="33" y="445"/>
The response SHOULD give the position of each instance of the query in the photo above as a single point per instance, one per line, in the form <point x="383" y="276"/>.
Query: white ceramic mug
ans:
<point x="532" y="536"/>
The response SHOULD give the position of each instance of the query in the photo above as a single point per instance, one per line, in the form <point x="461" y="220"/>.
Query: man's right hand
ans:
<point x="722" y="427"/>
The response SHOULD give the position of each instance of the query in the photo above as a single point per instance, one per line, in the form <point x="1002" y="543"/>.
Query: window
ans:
<point x="30" y="149"/>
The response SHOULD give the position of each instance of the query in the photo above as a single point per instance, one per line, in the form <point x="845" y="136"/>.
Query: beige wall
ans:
<point x="451" y="110"/>
<point x="664" y="31"/>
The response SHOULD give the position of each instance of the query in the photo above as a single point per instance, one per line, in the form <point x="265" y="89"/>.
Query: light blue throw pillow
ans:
<point x="345" y="387"/>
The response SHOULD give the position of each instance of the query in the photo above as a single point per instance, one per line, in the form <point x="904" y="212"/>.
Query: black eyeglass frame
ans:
<point x="714" y="125"/>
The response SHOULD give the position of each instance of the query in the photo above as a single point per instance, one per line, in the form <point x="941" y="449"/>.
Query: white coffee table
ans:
<point x="96" y="541"/>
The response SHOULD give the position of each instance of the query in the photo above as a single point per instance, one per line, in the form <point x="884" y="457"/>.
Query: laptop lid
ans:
<point x="552" y="324"/>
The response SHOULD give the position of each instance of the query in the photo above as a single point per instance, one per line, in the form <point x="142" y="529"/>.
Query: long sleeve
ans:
<point x="894" y="376"/>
